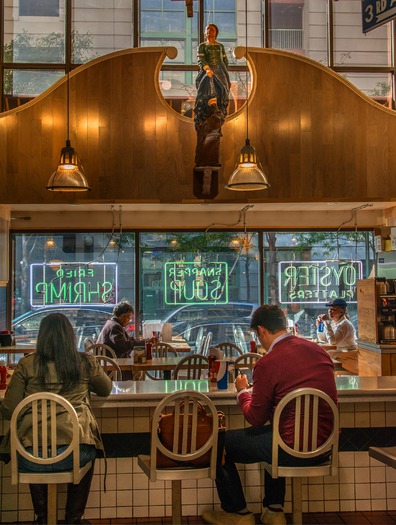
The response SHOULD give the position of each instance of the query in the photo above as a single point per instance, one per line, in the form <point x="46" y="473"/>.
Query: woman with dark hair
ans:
<point x="58" y="367"/>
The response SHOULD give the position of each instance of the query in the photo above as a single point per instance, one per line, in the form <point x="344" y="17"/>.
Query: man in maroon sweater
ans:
<point x="290" y="363"/>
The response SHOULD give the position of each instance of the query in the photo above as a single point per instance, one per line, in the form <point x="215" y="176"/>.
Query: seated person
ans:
<point x="58" y="367"/>
<point x="114" y="334"/>
<point x="338" y="330"/>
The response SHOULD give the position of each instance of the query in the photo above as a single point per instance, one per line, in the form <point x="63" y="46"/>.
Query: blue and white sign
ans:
<point x="377" y="12"/>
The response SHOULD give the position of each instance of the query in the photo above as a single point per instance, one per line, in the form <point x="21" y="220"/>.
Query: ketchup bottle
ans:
<point x="3" y="375"/>
<point x="149" y="354"/>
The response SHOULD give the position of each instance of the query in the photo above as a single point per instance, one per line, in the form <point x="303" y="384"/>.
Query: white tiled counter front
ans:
<point x="368" y="416"/>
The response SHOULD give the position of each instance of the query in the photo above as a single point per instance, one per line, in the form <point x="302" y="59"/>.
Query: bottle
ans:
<point x="253" y="346"/>
<point x="321" y="326"/>
<point x="149" y="354"/>
<point x="3" y="375"/>
<point x="212" y="369"/>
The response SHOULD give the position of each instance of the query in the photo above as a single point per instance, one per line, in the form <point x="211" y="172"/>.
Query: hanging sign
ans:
<point x="196" y="283"/>
<point x="377" y="12"/>
<point x="318" y="281"/>
<point x="75" y="283"/>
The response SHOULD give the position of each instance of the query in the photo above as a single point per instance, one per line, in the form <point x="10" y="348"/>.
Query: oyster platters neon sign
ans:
<point x="318" y="281"/>
<point x="76" y="283"/>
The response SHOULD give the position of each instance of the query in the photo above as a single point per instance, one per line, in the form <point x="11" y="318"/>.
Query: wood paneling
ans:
<point x="367" y="310"/>
<point x="369" y="363"/>
<point x="319" y="138"/>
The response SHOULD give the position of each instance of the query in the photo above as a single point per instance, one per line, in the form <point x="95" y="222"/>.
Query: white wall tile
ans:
<point x="363" y="505"/>
<point x="378" y="491"/>
<point x="362" y="491"/>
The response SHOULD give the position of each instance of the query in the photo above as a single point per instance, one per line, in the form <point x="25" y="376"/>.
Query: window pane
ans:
<point x="224" y="21"/>
<point x="300" y="27"/>
<point x="173" y="22"/>
<point x="305" y="270"/>
<point x="376" y="85"/>
<point x="167" y="22"/>
<point x="200" y="283"/>
<point x="63" y="272"/>
<point x="351" y="46"/>
<point x="39" y="38"/>
<point x="25" y="84"/>
<point x="179" y="91"/>
<point x="99" y="29"/>
<point x="286" y="25"/>
<point x="151" y="21"/>
<point x="42" y="8"/>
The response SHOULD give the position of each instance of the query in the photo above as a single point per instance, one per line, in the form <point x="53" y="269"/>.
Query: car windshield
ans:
<point x="221" y="332"/>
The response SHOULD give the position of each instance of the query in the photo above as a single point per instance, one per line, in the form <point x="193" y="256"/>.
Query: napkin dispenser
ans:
<point x="167" y="332"/>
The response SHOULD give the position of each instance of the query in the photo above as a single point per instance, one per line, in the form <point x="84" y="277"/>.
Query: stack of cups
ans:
<point x="222" y="374"/>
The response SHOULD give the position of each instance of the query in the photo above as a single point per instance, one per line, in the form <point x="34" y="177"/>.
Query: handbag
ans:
<point x="204" y="430"/>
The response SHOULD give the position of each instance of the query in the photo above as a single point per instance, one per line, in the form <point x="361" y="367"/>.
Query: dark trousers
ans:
<point x="246" y="446"/>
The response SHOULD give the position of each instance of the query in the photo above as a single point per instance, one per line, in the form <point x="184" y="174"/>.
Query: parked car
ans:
<point x="87" y="321"/>
<point x="188" y="313"/>
<point x="231" y="331"/>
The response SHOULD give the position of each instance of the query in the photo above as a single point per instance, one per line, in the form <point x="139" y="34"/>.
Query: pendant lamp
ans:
<point x="248" y="174"/>
<point x="69" y="175"/>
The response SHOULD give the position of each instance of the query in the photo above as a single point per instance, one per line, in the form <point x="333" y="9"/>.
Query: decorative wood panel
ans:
<point x="367" y="310"/>
<point x="369" y="363"/>
<point x="319" y="138"/>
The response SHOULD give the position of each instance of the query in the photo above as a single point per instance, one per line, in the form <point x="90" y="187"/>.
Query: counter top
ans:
<point x="147" y="393"/>
<point x="380" y="348"/>
<point x="351" y="389"/>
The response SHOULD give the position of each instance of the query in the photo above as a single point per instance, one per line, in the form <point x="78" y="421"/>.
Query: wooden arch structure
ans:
<point x="318" y="137"/>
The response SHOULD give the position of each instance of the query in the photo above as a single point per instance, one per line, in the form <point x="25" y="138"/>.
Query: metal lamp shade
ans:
<point x="248" y="174"/>
<point x="68" y="180"/>
<point x="70" y="174"/>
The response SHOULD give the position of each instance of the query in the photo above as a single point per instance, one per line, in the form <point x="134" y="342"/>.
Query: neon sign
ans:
<point x="196" y="283"/>
<point x="318" y="281"/>
<point x="74" y="283"/>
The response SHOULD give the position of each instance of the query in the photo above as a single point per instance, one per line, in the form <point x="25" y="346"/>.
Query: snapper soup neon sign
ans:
<point x="196" y="283"/>
<point x="76" y="283"/>
<point x="318" y="281"/>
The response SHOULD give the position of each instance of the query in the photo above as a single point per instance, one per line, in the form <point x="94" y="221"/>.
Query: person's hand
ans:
<point x="241" y="382"/>
<point x="209" y="72"/>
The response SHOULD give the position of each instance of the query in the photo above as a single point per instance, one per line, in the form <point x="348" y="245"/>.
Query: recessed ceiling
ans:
<point x="204" y="206"/>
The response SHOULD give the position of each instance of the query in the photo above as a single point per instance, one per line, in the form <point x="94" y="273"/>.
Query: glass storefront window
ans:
<point x="81" y="275"/>
<point x="200" y="283"/>
<point x="304" y="270"/>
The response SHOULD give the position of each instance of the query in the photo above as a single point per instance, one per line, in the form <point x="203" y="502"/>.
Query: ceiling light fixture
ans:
<point x="248" y="174"/>
<point x="69" y="175"/>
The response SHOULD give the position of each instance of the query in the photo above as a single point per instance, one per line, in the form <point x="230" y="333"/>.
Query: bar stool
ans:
<point x="386" y="455"/>
<point x="185" y="448"/>
<point x="43" y="408"/>
<point x="306" y="418"/>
